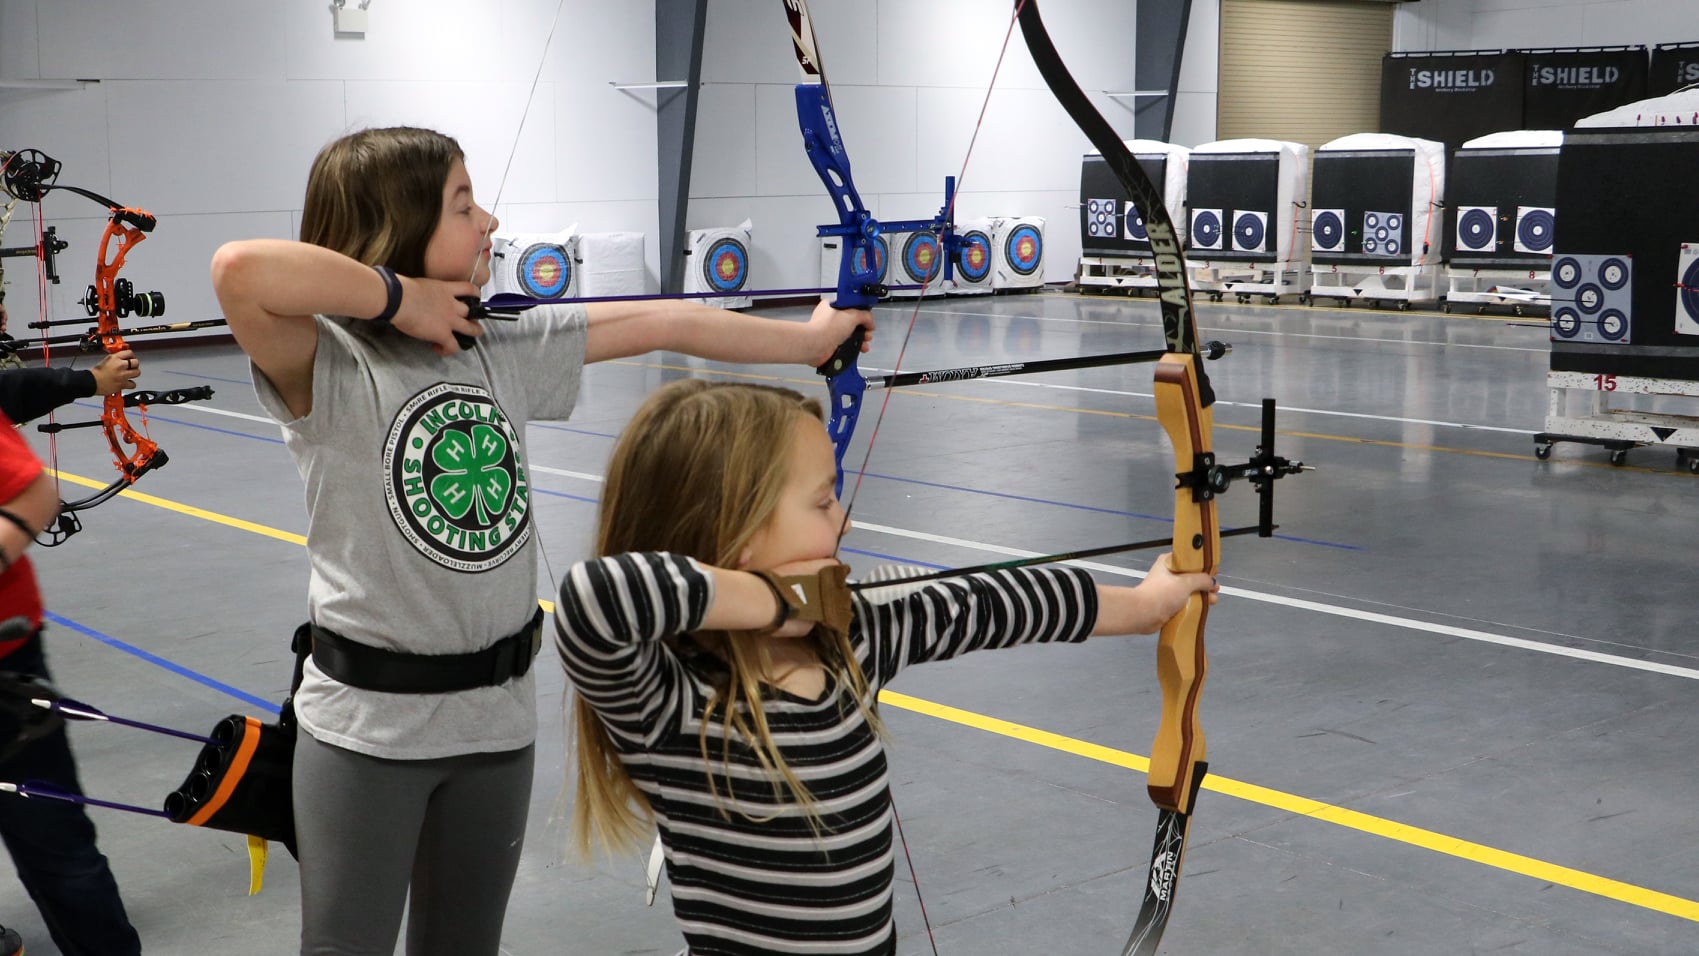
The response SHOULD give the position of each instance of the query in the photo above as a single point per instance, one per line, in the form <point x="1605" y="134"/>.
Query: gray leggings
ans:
<point x="367" y="828"/>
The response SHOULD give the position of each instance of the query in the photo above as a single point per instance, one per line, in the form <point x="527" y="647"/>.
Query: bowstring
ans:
<point x="948" y="217"/>
<point x="938" y="276"/>
<point x="489" y="229"/>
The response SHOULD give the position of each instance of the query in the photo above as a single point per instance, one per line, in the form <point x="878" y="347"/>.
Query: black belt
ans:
<point x="397" y="672"/>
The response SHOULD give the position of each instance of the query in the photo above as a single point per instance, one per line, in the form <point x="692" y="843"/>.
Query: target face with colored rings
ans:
<point x="1690" y="290"/>
<point x="921" y="257"/>
<point x="1135" y="224"/>
<point x="1248" y="231"/>
<point x="1565" y="323"/>
<point x="1566" y="273"/>
<point x="544" y="271"/>
<point x="880" y="254"/>
<point x="726" y="266"/>
<point x="1024" y="249"/>
<point x="1475" y="228"/>
<point x="1613" y="325"/>
<point x="974" y="260"/>
<point x="1328" y="230"/>
<point x="1206" y="230"/>
<point x="1535" y="229"/>
<point x="1613" y="274"/>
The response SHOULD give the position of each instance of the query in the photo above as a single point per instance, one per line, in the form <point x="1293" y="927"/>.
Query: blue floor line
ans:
<point x="169" y="665"/>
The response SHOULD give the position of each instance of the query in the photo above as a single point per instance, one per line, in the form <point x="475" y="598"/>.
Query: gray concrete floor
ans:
<point x="1449" y="706"/>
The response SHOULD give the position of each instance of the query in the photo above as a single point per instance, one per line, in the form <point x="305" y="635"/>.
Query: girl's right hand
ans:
<point x="430" y="311"/>
<point x="796" y="627"/>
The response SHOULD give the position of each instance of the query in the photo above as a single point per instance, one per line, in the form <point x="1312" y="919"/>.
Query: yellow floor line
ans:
<point x="1303" y="806"/>
<point x="1279" y="800"/>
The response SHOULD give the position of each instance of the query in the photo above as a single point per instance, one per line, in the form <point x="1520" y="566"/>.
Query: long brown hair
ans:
<point x="376" y="195"/>
<point x="699" y="471"/>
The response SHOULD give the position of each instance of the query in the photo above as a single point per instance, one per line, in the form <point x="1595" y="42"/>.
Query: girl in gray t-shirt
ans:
<point x="414" y="770"/>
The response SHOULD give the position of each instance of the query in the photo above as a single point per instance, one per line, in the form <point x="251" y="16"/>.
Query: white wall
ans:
<point x="908" y="81"/>
<point x="209" y="115"/>
<point x="1507" y="24"/>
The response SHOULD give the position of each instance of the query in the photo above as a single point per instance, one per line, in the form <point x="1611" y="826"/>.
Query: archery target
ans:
<point x="1383" y="234"/>
<point x="1024" y="249"/>
<point x="537" y="265"/>
<point x="1534" y="228"/>
<point x="922" y="258"/>
<point x="1206" y="229"/>
<point x="1687" y="290"/>
<point x="1613" y="273"/>
<point x="1327" y="230"/>
<point x="720" y="265"/>
<point x="1477" y="228"/>
<point x="1100" y="218"/>
<point x="1017" y="249"/>
<point x="1592" y="298"/>
<point x="1135" y="223"/>
<point x="973" y="258"/>
<point x="1250" y="231"/>
<point x="858" y="259"/>
<point x="725" y="266"/>
<point x="544" y="270"/>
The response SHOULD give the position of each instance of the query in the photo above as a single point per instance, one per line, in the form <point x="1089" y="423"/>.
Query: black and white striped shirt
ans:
<point x="760" y="880"/>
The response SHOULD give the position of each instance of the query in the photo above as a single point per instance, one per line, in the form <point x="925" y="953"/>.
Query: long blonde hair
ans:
<point x="699" y="471"/>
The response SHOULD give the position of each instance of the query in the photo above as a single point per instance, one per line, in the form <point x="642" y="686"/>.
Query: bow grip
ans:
<point x="845" y="386"/>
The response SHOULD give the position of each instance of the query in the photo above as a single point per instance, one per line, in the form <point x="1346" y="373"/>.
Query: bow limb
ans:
<point x="1183" y="397"/>
<point x="860" y="254"/>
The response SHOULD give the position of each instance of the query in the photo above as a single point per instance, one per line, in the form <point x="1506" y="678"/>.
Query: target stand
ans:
<point x="1115" y="248"/>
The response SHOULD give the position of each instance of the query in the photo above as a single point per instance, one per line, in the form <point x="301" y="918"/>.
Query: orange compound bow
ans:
<point x="28" y="175"/>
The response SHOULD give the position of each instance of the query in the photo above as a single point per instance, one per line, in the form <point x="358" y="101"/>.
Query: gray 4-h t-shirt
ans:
<point x="420" y="532"/>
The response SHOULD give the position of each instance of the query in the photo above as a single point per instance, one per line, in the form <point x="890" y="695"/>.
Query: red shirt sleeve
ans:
<point x="19" y="594"/>
<point x="18" y="464"/>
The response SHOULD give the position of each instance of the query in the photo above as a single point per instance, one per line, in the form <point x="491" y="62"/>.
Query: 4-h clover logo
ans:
<point x="474" y="472"/>
<point x="456" y="486"/>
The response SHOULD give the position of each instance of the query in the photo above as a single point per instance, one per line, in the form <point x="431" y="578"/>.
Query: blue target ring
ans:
<point x="1535" y="229"/>
<point x="1690" y="290"/>
<point x="726" y="265"/>
<point x="1476" y="229"/>
<point x="1565" y="323"/>
<point x="1590" y="298"/>
<point x="1566" y="272"/>
<point x="1328" y="230"/>
<point x="922" y="258"/>
<point x="544" y="271"/>
<point x="1613" y="325"/>
<point x="1135" y="225"/>
<point x="1206" y="229"/>
<point x="1024" y="249"/>
<point x="1248" y="230"/>
<point x="1613" y="273"/>
<point x="974" y="258"/>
